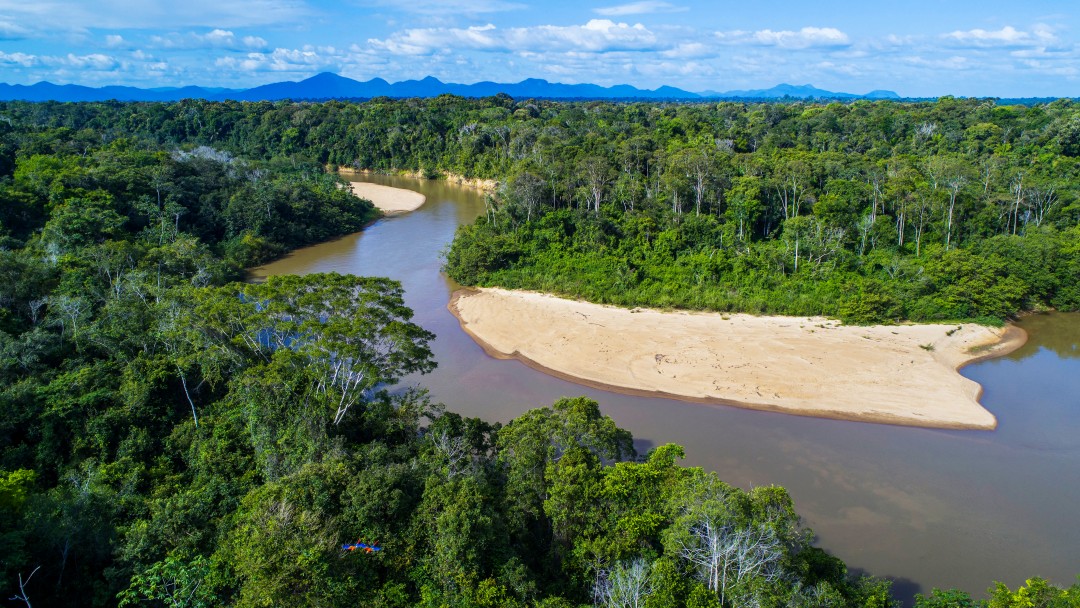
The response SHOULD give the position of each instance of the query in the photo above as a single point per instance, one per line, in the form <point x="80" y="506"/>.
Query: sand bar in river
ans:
<point x="388" y="200"/>
<point x="811" y="366"/>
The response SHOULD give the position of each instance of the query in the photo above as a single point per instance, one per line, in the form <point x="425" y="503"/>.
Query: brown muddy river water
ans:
<point x="927" y="508"/>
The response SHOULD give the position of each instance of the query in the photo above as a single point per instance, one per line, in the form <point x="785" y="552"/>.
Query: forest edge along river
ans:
<point x="925" y="507"/>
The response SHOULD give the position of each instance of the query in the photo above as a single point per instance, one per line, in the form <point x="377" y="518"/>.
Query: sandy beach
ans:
<point x="388" y="200"/>
<point x="476" y="183"/>
<point x="810" y="366"/>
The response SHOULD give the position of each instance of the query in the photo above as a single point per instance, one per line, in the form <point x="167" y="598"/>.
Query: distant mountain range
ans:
<point x="332" y="86"/>
<point x="805" y="91"/>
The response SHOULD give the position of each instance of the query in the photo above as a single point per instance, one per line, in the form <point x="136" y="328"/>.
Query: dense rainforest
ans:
<point x="957" y="210"/>
<point x="170" y="436"/>
<point x="868" y="211"/>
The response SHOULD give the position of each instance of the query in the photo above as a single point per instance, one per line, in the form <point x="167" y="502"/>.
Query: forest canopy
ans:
<point x="170" y="436"/>
<point x="866" y="211"/>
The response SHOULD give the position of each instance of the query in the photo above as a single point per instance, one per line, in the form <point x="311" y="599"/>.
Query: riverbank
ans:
<point x="388" y="200"/>
<point x="476" y="183"/>
<point x="810" y="366"/>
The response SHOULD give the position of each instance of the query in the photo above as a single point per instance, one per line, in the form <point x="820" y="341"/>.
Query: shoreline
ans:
<point x="843" y="372"/>
<point x="389" y="200"/>
<point x="476" y="183"/>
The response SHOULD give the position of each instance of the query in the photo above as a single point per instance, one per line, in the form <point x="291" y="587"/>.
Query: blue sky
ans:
<point x="914" y="47"/>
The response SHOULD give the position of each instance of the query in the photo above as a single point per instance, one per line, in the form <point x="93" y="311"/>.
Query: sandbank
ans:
<point x="476" y="183"/>
<point x="388" y="200"/>
<point x="810" y="366"/>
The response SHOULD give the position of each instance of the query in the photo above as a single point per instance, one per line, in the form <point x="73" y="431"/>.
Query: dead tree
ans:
<point x="22" y="596"/>
<point x="624" y="586"/>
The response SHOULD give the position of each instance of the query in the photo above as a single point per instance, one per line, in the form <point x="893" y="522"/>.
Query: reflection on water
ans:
<point x="1058" y="333"/>
<point x="930" y="508"/>
<point x="1035" y="391"/>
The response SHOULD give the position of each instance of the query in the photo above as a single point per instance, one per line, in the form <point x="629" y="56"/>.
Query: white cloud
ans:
<point x="1052" y="68"/>
<point x="804" y="38"/>
<point x="217" y="42"/>
<point x="1046" y="53"/>
<point x="596" y="36"/>
<point x="807" y="37"/>
<point x="12" y="31"/>
<point x="427" y="41"/>
<point x="306" y="60"/>
<point x="21" y="59"/>
<point x="214" y="39"/>
<point x="91" y="62"/>
<point x="662" y="70"/>
<point x="94" y="61"/>
<point x="1008" y="36"/>
<point x="894" y="40"/>
<point x="639" y="8"/>
<point x="688" y="49"/>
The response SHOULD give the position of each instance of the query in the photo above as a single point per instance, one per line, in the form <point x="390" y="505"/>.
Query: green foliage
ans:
<point x="285" y="546"/>
<point x="879" y="231"/>
<point x="169" y="437"/>
<point x="174" y="582"/>
<point x="1033" y="593"/>
<point x="15" y="489"/>
<point x="951" y="598"/>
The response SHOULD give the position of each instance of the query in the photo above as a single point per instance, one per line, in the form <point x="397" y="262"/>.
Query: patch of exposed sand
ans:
<point x="477" y="183"/>
<point x="388" y="200"/>
<point x="811" y="366"/>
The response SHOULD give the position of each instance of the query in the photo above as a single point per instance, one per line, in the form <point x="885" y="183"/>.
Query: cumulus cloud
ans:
<point x="639" y="8"/>
<point x="208" y="42"/>
<point x="214" y="39"/>
<point x="21" y="59"/>
<point x="807" y="37"/>
<point x="91" y="62"/>
<point x="606" y="51"/>
<point x="1006" y="36"/>
<point x="598" y="35"/>
<point x="427" y="41"/>
<point x="303" y="60"/>
<point x="94" y="61"/>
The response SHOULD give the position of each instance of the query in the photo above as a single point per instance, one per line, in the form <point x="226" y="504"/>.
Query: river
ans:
<point x="926" y="508"/>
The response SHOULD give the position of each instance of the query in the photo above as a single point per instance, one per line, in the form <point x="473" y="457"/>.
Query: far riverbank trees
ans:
<point x="169" y="436"/>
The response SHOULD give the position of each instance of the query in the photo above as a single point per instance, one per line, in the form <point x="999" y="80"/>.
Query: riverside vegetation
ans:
<point x="169" y="436"/>
<point x="871" y="213"/>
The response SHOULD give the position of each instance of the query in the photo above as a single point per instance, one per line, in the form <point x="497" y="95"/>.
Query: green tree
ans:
<point x="175" y="582"/>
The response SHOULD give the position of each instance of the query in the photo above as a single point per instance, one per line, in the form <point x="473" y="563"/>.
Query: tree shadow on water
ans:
<point x="642" y="446"/>
<point x="903" y="590"/>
